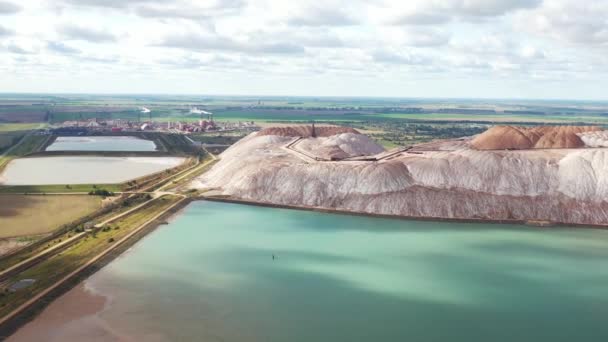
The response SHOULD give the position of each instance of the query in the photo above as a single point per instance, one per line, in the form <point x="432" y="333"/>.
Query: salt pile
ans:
<point x="523" y="138"/>
<point x="559" y="185"/>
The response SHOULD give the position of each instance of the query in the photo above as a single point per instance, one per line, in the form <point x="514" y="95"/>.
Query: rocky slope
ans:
<point x="451" y="179"/>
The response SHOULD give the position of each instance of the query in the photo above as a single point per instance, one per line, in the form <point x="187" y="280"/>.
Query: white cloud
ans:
<point x="194" y="11"/>
<point x="9" y="7"/>
<point x="19" y="48"/>
<point x="211" y="42"/>
<point x="575" y="22"/>
<point x="106" y="3"/>
<point x="243" y="43"/>
<point x="319" y="16"/>
<point x="6" y="32"/>
<point x="402" y="58"/>
<point x="434" y="12"/>
<point x="75" y="32"/>
<point x="485" y="7"/>
<point x="62" y="48"/>
<point x="426" y="37"/>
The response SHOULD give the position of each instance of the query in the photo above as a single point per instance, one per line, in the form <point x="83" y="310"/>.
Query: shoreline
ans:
<point x="76" y="282"/>
<point x="529" y="223"/>
<point x="76" y="306"/>
<point x="29" y="311"/>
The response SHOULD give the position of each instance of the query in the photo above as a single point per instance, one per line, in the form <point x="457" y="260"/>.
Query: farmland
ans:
<point x="58" y="188"/>
<point x="393" y="121"/>
<point x="34" y="215"/>
<point x="54" y="268"/>
<point x="45" y="108"/>
<point x="23" y="146"/>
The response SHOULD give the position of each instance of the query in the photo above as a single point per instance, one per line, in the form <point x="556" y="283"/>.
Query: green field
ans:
<point x="12" y="127"/>
<point x="389" y="119"/>
<point x="63" y="188"/>
<point x="26" y="145"/>
<point x="32" y="108"/>
<point x="495" y="118"/>
<point x="8" y="139"/>
<point x="11" y="134"/>
<point x="302" y="116"/>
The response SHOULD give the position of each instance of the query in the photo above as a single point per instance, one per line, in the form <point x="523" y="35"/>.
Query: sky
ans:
<point x="546" y="49"/>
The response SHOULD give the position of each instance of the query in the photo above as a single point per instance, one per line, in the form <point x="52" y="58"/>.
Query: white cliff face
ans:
<point x="595" y="139"/>
<point x="568" y="185"/>
<point x="583" y="175"/>
<point x="500" y="173"/>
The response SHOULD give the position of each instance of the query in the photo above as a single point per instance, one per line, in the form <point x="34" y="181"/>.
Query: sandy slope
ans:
<point x="452" y="180"/>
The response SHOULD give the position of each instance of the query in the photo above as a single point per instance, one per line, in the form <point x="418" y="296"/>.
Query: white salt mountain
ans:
<point x="454" y="179"/>
<point x="595" y="139"/>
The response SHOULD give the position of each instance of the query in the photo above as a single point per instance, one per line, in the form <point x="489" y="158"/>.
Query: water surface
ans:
<point x="210" y="276"/>
<point x="103" y="143"/>
<point x="82" y="170"/>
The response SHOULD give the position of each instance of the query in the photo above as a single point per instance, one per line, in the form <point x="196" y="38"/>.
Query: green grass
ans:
<point x="12" y="127"/>
<point x="488" y="117"/>
<point x="239" y="115"/>
<point x="63" y="188"/>
<point x="28" y="144"/>
<point x="10" y="138"/>
<point x="164" y="111"/>
<point x="386" y="144"/>
<point x="11" y="134"/>
<point x="295" y="116"/>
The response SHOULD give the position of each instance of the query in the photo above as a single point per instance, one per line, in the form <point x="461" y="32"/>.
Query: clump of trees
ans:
<point x="101" y="192"/>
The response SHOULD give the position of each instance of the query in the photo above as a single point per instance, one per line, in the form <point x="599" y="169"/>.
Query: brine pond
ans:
<point x="228" y="272"/>
<point x="102" y="143"/>
<point x="82" y="170"/>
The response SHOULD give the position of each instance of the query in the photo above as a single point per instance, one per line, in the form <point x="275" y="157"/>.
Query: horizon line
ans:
<point x="388" y="97"/>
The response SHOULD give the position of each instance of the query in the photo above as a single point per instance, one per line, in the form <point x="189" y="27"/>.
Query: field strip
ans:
<point x="29" y="261"/>
<point x="60" y="282"/>
<point x="114" y="218"/>
<point x="59" y="247"/>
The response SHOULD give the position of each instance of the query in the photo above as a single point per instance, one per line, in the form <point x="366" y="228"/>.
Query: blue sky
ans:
<point x="414" y="48"/>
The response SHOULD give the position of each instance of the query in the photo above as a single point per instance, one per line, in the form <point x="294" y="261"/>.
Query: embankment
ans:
<point x="27" y="311"/>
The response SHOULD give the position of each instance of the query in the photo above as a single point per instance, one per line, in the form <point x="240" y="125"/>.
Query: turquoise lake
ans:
<point x="210" y="275"/>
